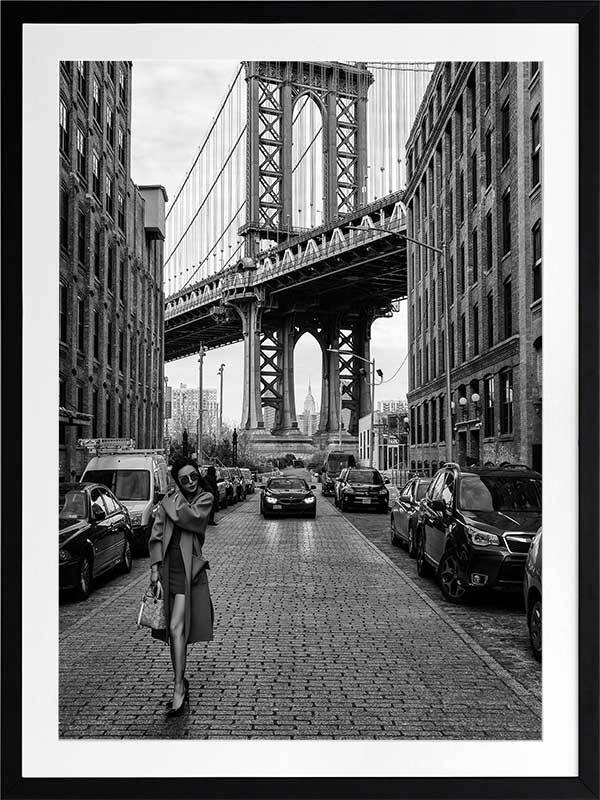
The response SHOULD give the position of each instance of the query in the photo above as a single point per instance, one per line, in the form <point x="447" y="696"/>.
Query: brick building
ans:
<point x="474" y="161"/>
<point x="111" y="269"/>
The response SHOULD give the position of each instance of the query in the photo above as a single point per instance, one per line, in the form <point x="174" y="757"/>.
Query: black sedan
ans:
<point x="364" y="488"/>
<point x="285" y="495"/>
<point x="94" y="535"/>
<point x="404" y="516"/>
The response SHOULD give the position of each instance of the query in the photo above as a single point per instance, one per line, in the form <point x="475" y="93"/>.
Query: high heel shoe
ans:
<point x="177" y="712"/>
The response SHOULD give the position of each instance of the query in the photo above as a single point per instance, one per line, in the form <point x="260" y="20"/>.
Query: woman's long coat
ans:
<point x="191" y="519"/>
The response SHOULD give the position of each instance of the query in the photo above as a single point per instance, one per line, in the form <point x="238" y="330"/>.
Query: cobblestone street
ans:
<point x="318" y="633"/>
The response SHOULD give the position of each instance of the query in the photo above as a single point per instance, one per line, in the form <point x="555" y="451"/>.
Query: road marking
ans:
<point x="522" y="693"/>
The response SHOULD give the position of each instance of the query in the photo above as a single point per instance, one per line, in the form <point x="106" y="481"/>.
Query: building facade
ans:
<point x="308" y="421"/>
<point x="474" y="190"/>
<point x="184" y="411"/>
<point x="390" y="441"/>
<point x="111" y="298"/>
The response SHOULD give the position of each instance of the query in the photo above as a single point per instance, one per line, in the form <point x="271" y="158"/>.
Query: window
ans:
<point x="475" y="255"/>
<point x="96" y="333"/>
<point x="488" y="158"/>
<point x="449" y="150"/>
<point x="508" y="327"/>
<point x="451" y="282"/>
<point x="64" y="218"/>
<point x="475" y="330"/>
<point x="459" y="129"/>
<point x="489" y="261"/>
<point x="462" y="269"/>
<point x="419" y="424"/>
<point x="413" y="427"/>
<point x="80" y="400"/>
<point x="411" y="321"/>
<point x="434" y="359"/>
<point x="81" y="243"/>
<point x="109" y="343"/>
<point x="121" y="351"/>
<point x="426" y="308"/>
<point x="111" y="67"/>
<point x="506" y="229"/>
<point x="121" y="146"/>
<point x="111" y="269"/>
<point x="490" y="319"/>
<point x="442" y="355"/>
<point x="419" y="316"/>
<point x="110" y="125"/>
<point x="425" y="421"/>
<point x="452" y="354"/>
<point x="487" y="79"/>
<point x="534" y="67"/>
<point x="488" y="406"/>
<point x="473" y="101"/>
<point x="474" y="178"/>
<point x="122" y="86"/>
<point x="537" y="260"/>
<point x="108" y="416"/>
<point x="122" y="280"/>
<point x="536" y="147"/>
<point x="463" y="338"/>
<point x="109" y="197"/>
<point x="504" y="66"/>
<point x="442" y="419"/>
<point x="97" y="102"/>
<point x="97" y="243"/>
<point x="505" y="127"/>
<point x="81" y="157"/>
<point x="63" y="300"/>
<point x="438" y="96"/>
<point x="450" y="214"/>
<point x="424" y="195"/>
<point x="96" y="173"/>
<point x="426" y="365"/>
<point x="461" y="197"/>
<point x="80" y="324"/>
<point x="121" y="211"/>
<point x="433" y="300"/>
<point x="506" y="401"/>
<point x="81" y="79"/>
<point x="63" y="127"/>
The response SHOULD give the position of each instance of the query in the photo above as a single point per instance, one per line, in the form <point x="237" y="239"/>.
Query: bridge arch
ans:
<point x="308" y="378"/>
<point x="308" y="188"/>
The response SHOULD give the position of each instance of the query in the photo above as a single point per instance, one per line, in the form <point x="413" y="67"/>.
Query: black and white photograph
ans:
<point x="306" y="448"/>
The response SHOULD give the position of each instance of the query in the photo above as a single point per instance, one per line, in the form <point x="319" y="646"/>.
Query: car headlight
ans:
<point x="270" y="499"/>
<point x="309" y="499"/>
<point x="481" y="538"/>
<point x="348" y="490"/>
<point x="64" y="555"/>
<point x="383" y="491"/>
<point x="136" y="519"/>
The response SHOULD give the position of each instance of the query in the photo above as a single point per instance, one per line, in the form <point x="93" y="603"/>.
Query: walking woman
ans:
<point x="176" y="560"/>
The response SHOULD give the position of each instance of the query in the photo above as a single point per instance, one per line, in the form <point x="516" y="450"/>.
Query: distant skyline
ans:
<point x="164" y="144"/>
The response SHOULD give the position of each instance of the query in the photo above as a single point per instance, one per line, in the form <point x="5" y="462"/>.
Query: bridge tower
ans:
<point x="273" y="90"/>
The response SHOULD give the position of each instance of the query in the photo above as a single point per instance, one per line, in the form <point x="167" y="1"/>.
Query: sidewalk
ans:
<point x="317" y="634"/>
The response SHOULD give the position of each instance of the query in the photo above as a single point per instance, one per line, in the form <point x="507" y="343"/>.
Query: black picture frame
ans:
<point x="584" y="14"/>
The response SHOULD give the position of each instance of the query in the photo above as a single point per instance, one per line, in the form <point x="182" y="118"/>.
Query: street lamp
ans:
<point x="201" y="354"/>
<point x="442" y="256"/>
<point x="220" y="372"/>
<point x="373" y="371"/>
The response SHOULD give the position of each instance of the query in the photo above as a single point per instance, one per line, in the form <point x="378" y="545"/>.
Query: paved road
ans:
<point x="318" y="634"/>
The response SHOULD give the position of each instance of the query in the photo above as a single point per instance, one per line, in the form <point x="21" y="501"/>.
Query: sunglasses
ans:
<point x="191" y="478"/>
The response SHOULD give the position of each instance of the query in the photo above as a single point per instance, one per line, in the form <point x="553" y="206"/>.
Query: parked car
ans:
<point x="139" y="480"/>
<point x="404" y="515"/>
<point x="288" y="495"/>
<point x="94" y="535"/>
<point x="475" y="527"/>
<point x="532" y="591"/>
<point x="361" y="487"/>
<point x="250" y="485"/>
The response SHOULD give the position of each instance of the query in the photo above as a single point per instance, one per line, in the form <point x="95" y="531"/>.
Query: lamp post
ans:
<point x="443" y="260"/>
<point x="380" y="373"/>
<point x="220" y="372"/>
<point x="340" y="419"/>
<point x="201" y="354"/>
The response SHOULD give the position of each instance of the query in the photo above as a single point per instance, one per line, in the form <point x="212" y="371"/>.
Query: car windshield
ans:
<point x="72" y="505"/>
<point x="364" y="476"/>
<point x="288" y="484"/>
<point x="500" y="493"/>
<point x="421" y="489"/>
<point x="126" y="484"/>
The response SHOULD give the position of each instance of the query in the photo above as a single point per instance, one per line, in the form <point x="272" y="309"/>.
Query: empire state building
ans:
<point x="308" y="421"/>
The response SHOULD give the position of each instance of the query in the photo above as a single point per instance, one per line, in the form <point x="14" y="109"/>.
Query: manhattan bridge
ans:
<point x="287" y="223"/>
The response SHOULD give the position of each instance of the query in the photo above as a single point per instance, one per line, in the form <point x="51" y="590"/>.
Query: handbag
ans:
<point x="152" y="610"/>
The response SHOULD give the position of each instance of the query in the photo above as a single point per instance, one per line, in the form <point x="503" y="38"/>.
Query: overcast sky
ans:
<point x="173" y="105"/>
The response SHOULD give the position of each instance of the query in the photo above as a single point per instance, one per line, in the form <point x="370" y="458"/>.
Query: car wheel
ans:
<point x="84" y="583"/>
<point x="535" y="628"/>
<point x="126" y="558"/>
<point x="452" y="580"/>
<point x="393" y="536"/>
<point x="423" y="568"/>
<point x="412" y="548"/>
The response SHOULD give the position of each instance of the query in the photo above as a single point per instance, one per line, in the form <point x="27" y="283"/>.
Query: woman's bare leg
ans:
<point x="178" y="646"/>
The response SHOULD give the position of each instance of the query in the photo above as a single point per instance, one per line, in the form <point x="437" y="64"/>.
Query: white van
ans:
<point x="139" y="479"/>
